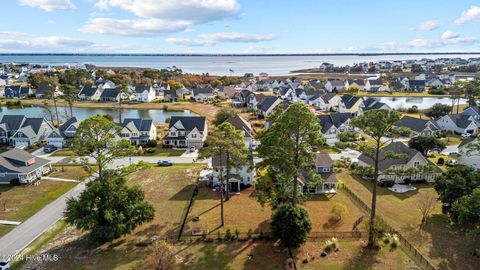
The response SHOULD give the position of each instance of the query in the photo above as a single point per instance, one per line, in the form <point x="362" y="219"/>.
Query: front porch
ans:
<point x="36" y="174"/>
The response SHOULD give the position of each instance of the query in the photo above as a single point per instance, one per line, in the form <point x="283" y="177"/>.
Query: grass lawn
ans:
<point x="452" y="140"/>
<point x="21" y="202"/>
<point x="435" y="158"/>
<point x="269" y="255"/>
<point x="436" y="240"/>
<point x="64" y="152"/>
<point x="164" y="152"/>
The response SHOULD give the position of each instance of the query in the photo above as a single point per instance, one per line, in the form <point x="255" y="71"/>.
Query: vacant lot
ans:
<point x="18" y="203"/>
<point x="436" y="239"/>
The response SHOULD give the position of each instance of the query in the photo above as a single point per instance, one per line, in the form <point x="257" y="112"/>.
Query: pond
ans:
<point x="158" y="116"/>
<point x="421" y="102"/>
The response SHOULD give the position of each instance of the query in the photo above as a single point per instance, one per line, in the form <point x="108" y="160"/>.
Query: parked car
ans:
<point x="49" y="148"/>
<point x="451" y="163"/>
<point x="466" y="135"/>
<point x="191" y="149"/>
<point x="386" y="183"/>
<point x="4" y="266"/>
<point x="164" y="163"/>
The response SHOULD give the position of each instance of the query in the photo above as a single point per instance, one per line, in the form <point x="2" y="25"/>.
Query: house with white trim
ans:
<point x="19" y="164"/>
<point x="239" y="175"/>
<point x="186" y="131"/>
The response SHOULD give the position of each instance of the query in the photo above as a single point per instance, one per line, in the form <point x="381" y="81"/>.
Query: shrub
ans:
<point x="152" y="143"/>
<point x="291" y="224"/>
<point x="150" y="150"/>
<point x="237" y="233"/>
<point x="441" y="161"/>
<point x="434" y="91"/>
<point x="338" y="211"/>
<point x="249" y="233"/>
<point x="228" y="235"/>
<point x="413" y="109"/>
<point x="165" y="107"/>
<point x="15" y="182"/>
<point x="140" y="151"/>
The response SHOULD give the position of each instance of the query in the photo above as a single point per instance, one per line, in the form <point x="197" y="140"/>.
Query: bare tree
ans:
<point x="426" y="205"/>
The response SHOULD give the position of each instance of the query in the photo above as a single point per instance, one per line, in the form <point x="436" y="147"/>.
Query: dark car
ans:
<point x="49" y="148"/>
<point x="386" y="183"/>
<point x="164" y="163"/>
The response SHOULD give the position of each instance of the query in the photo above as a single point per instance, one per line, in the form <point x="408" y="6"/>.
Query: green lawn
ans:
<point x="436" y="239"/>
<point x="163" y="152"/>
<point x="65" y="152"/>
<point x="21" y="202"/>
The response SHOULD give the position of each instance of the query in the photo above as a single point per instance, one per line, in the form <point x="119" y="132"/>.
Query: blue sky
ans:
<point x="239" y="26"/>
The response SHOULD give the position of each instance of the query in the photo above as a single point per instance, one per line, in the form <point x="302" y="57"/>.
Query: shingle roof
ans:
<point x="67" y="124"/>
<point x="110" y="93"/>
<point x="416" y="124"/>
<point x="460" y="120"/>
<point x="334" y="119"/>
<point x="466" y="141"/>
<point x="240" y="124"/>
<point x="88" y="91"/>
<point x="349" y="100"/>
<point x="328" y="96"/>
<point x="202" y="90"/>
<point x="34" y="123"/>
<point x="140" y="88"/>
<point x="140" y="124"/>
<point x="12" y="122"/>
<point x="189" y="122"/>
<point x="223" y="159"/>
<point x="43" y="88"/>
<point x="323" y="159"/>
<point x="267" y="103"/>
<point x="7" y="163"/>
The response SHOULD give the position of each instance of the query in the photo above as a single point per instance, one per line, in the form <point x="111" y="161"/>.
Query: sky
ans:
<point x="239" y="26"/>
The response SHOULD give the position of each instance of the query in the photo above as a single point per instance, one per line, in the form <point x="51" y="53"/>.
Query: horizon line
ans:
<point x="235" y="54"/>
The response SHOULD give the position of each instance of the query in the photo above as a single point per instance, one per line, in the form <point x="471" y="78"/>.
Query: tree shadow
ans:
<point x="366" y="258"/>
<point x="184" y="194"/>
<point x="383" y="191"/>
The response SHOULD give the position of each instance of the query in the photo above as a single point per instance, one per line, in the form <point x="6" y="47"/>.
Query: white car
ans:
<point x="466" y="135"/>
<point x="4" y="266"/>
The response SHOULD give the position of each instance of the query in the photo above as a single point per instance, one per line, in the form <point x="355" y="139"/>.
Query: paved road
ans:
<point x="19" y="238"/>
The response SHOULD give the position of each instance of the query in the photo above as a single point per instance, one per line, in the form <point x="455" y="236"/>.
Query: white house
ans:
<point x="419" y="127"/>
<point x="240" y="175"/>
<point x="470" y="156"/>
<point x="333" y="124"/>
<point x="144" y="93"/>
<point x="21" y="131"/>
<point x="327" y="102"/>
<point x="138" y="131"/>
<point x="459" y="123"/>
<point x="334" y="85"/>
<point x="186" y="131"/>
<point x="202" y="93"/>
<point x="324" y="167"/>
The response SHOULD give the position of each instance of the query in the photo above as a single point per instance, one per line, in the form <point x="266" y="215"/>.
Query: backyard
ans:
<point x="443" y="245"/>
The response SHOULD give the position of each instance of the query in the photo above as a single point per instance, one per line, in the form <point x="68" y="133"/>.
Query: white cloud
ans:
<point x="136" y="27"/>
<point x="49" y="5"/>
<point x="449" y="34"/>
<point x="213" y="38"/>
<point x="473" y="14"/>
<point x="257" y="49"/>
<point x="157" y="17"/>
<point x="426" y="26"/>
<point x="424" y="43"/>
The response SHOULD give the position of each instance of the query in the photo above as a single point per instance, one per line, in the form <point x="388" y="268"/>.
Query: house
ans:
<point x="9" y="124"/>
<point x="470" y="156"/>
<point x="419" y="127"/>
<point x="333" y="124"/>
<point x="324" y="167"/>
<point x="226" y="92"/>
<point x="373" y="104"/>
<point x="242" y="97"/>
<point x="186" y="131"/>
<point x="173" y="95"/>
<point x="435" y="82"/>
<point x="93" y="92"/>
<point x="350" y="104"/>
<point x="110" y="95"/>
<point x="46" y="88"/>
<point x="144" y="93"/>
<point x="327" y="102"/>
<point x="410" y="159"/>
<point x="326" y="66"/>
<point x="355" y="83"/>
<point x="244" y="126"/>
<point x="263" y="76"/>
<point x="253" y="100"/>
<point x="459" y="123"/>
<point x="17" y="91"/>
<point x="264" y="85"/>
<point x="239" y="175"/>
<point x="398" y="85"/>
<point x="334" y="85"/>
<point x="416" y="85"/>
<point x="31" y="131"/>
<point x="314" y="85"/>
<point x="202" y="93"/>
<point x="19" y="164"/>
<point x="374" y="85"/>
<point x="267" y="106"/>
<point x="69" y="128"/>
<point x="55" y="138"/>
<point x="306" y="96"/>
<point x="473" y="111"/>
<point x="138" y="131"/>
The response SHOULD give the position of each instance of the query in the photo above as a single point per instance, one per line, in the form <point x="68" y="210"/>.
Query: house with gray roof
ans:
<point x="373" y="104"/>
<point x="173" y="95"/>
<point x="242" y="174"/>
<point x="355" y="83"/>
<point x="459" y="123"/>
<point x="267" y="106"/>
<point x="243" y="126"/>
<point x="324" y="167"/>
<point x="138" y="131"/>
<point x="419" y="127"/>
<point x="19" y="164"/>
<point x="58" y="137"/>
<point x="144" y="93"/>
<point x="202" y="93"/>
<point x="327" y="102"/>
<point x="350" y="104"/>
<point x="334" y="124"/>
<point x="334" y="85"/>
<point x="17" y="91"/>
<point x="110" y="95"/>
<point x="469" y="153"/>
<point x="21" y="131"/>
<point x="400" y="169"/>
<point x="94" y="92"/>
<point x="186" y="131"/>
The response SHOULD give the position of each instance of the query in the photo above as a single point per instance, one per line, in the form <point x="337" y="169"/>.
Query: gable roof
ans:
<point x="202" y="90"/>
<point x="34" y="123"/>
<point x="140" y="124"/>
<point x="140" y="88"/>
<point x="323" y="159"/>
<point x="12" y="122"/>
<point x="334" y="119"/>
<point x="240" y="124"/>
<point x="349" y="100"/>
<point x="372" y="104"/>
<point x="43" y="88"/>
<point x="328" y="96"/>
<point x="67" y="124"/>
<point x="466" y="141"/>
<point x="110" y="93"/>
<point x="189" y="122"/>
<point x="266" y="103"/>
<point x="416" y="124"/>
<point x="357" y="82"/>
<point x="7" y="161"/>
<point x="460" y="120"/>
<point x="88" y="91"/>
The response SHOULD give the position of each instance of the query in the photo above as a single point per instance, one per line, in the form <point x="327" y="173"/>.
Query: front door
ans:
<point x="234" y="187"/>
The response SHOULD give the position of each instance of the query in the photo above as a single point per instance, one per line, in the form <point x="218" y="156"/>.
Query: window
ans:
<point x="326" y="169"/>
<point x="416" y="164"/>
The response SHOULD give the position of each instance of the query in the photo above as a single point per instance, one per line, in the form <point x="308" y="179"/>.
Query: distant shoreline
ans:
<point x="220" y="55"/>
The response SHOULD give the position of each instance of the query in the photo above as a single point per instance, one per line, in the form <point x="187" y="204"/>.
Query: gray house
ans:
<point x="21" y="165"/>
<point x="18" y="130"/>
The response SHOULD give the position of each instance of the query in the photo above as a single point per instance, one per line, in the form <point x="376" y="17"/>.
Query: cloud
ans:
<point x="424" y="43"/>
<point x="49" y="5"/>
<point x="213" y="38"/>
<point x="473" y="14"/>
<point x="449" y="34"/>
<point x="42" y="43"/>
<point x="426" y="26"/>
<point x="157" y="17"/>
<point x="140" y="27"/>
<point x="257" y="49"/>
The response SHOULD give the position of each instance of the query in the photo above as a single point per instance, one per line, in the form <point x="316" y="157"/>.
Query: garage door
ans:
<point x="57" y="143"/>
<point x="21" y="143"/>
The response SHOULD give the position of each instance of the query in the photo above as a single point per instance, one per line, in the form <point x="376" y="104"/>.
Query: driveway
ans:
<point x="347" y="153"/>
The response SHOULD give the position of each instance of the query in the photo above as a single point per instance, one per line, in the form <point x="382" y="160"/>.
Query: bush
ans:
<point x="441" y="161"/>
<point x="413" y="109"/>
<point x="140" y="151"/>
<point x="249" y="233"/>
<point x="15" y="182"/>
<point x="150" y="150"/>
<point x="434" y="91"/>
<point x="165" y="107"/>
<point x="331" y="244"/>
<point x="228" y="235"/>
<point x="152" y="143"/>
